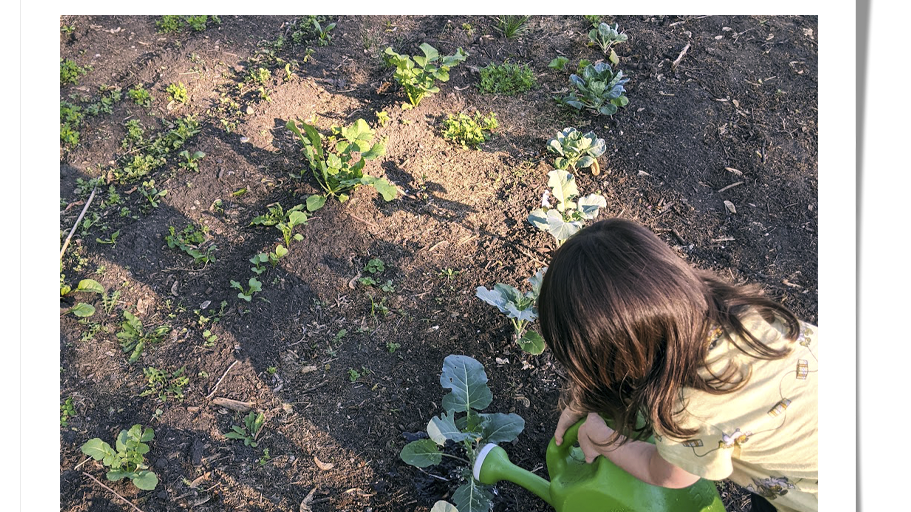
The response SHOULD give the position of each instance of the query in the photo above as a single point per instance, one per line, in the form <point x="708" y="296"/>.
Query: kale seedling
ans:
<point x="128" y="460"/>
<point x="467" y="131"/>
<point x="253" y="423"/>
<point x="519" y="308"/>
<point x="417" y="74"/>
<point x="134" y="338"/>
<point x="568" y="217"/>
<point x="606" y="36"/>
<point x="599" y="89"/>
<point x="576" y="150"/>
<point x="464" y="424"/>
<point x="247" y="294"/>
<point x="335" y="167"/>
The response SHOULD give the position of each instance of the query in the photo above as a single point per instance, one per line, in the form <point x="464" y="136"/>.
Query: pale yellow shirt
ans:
<point x="762" y="436"/>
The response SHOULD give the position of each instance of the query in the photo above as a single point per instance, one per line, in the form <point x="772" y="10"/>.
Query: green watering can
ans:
<point x="601" y="486"/>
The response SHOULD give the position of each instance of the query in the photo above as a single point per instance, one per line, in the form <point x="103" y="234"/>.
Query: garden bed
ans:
<point x="716" y="152"/>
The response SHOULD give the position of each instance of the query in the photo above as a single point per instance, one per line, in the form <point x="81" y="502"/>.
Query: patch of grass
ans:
<point x="169" y="24"/>
<point x="165" y="385"/>
<point x="507" y="78"/>
<point x="511" y="25"/>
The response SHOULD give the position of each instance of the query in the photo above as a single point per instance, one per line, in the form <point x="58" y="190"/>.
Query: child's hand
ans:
<point x="568" y="418"/>
<point x="592" y="433"/>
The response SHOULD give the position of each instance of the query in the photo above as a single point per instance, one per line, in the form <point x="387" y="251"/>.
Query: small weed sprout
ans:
<point x="507" y="78"/>
<point x="140" y="96"/>
<point x="285" y="222"/>
<point x="382" y="117"/>
<point x="134" y="337"/>
<point x="323" y="32"/>
<point x="568" y="216"/>
<point x="70" y="71"/>
<point x="128" y="460"/>
<point x="71" y="117"/>
<point x="165" y="385"/>
<point x="520" y="308"/>
<point x="558" y="63"/>
<point x="253" y="424"/>
<point x="417" y="74"/>
<point x="576" y="150"/>
<point x="151" y="193"/>
<point x="464" y="424"/>
<point x="191" y="241"/>
<point x="190" y="161"/>
<point x="67" y="411"/>
<point x="169" y="24"/>
<point x="467" y="131"/>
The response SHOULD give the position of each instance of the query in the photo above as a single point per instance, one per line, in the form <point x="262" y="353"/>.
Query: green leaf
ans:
<point x="473" y="496"/>
<point x="96" y="449"/>
<point x="90" y="286"/>
<point x="501" y="428"/>
<point x="421" y="453"/>
<point x="83" y="310"/>
<point x="383" y="187"/>
<point x="297" y="218"/>
<point x="315" y="202"/>
<point x="280" y="251"/>
<point x="468" y="382"/>
<point x="147" y="435"/>
<point x="563" y="185"/>
<point x="590" y="204"/>
<point x="443" y="506"/>
<point x="443" y="427"/>
<point x="118" y="474"/>
<point x="614" y="58"/>
<point x="431" y="52"/>
<point x="145" y="480"/>
<point x="531" y="342"/>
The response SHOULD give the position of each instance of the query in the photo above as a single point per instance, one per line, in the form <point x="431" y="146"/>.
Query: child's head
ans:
<point x="629" y="319"/>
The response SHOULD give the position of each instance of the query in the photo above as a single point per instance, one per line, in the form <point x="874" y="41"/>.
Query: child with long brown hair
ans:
<point x="722" y="377"/>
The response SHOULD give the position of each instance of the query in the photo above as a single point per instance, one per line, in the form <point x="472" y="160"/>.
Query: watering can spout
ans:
<point x="492" y="465"/>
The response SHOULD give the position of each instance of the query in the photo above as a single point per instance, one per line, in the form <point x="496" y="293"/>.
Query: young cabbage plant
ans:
<point x="417" y="74"/>
<point x="606" y="36"/>
<point x="463" y="424"/>
<point x="335" y="168"/>
<point x="599" y="89"/>
<point x="567" y="217"/>
<point x="576" y="150"/>
<point x="520" y="308"/>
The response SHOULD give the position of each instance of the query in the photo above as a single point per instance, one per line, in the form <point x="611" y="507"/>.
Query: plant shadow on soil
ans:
<point x="300" y="342"/>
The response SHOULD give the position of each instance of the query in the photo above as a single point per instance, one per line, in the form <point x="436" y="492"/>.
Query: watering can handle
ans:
<point x="570" y="437"/>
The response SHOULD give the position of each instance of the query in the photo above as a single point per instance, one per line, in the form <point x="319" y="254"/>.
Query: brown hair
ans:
<point x="629" y="320"/>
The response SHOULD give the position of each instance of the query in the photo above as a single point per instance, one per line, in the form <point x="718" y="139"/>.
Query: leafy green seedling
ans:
<point x="606" y="36"/>
<point x="265" y="458"/>
<point x="191" y="241"/>
<point x="197" y="23"/>
<point x="392" y="346"/>
<point x="190" y="161"/>
<point x="178" y="92"/>
<point x="128" y="460"/>
<point x="417" y="74"/>
<point x="253" y="423"/>
<point x="599" y="89"/>
<point x="152" y="194"/>
<point x="335" y="167"/>
<point x="520" y="308"/>
<point x="134" y="338"/>
<point x="375" y="266"/>
<point x="469" y="132"/>
<point x="279" y="253"/>
<point x="567" y="217"/>
<point x="576" y="150"/>
<point x="284" y="221"/>
<point x="258" y="261"/>
<point x="165" y="385"/>
<point x="323" y="32"/>
<point x="169" y="24"/>
<point x="70" y="72"/>
<point x="67" y="411"/>
<point x="140" y="96"/>
<point x="71" y="117"/>
<point x="382" y="117"/>
<point x="111" y="240"/>
<point x="464" y="424"/>
<point x="253" y="286"/>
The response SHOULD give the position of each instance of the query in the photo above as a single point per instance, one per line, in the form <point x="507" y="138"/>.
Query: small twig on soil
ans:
<point x="78" y="220"/>
<point x="679" y="57"/>
<point x="210" y="395"/>
<point x="732" y="185"/>
<point x="113" y="491"/>
<point x="81" y="463"/>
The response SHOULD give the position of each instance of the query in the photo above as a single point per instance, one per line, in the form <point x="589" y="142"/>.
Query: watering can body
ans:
<point x="602" y="486"/>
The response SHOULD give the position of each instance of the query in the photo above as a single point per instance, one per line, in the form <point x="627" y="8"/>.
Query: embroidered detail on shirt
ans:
<point x="692" y="443"/>
<point x="714" y="336"/>
<point x="737" y="438"/>
<point x="803" y="369"/>
<point x="779" y="407"/>
<point x="772" y="487"/>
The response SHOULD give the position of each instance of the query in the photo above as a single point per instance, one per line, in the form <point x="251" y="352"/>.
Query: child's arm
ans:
<point x="637" y="458"/>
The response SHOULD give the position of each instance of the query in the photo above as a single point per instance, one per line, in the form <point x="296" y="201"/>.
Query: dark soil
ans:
<point x="735" y="121"/>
